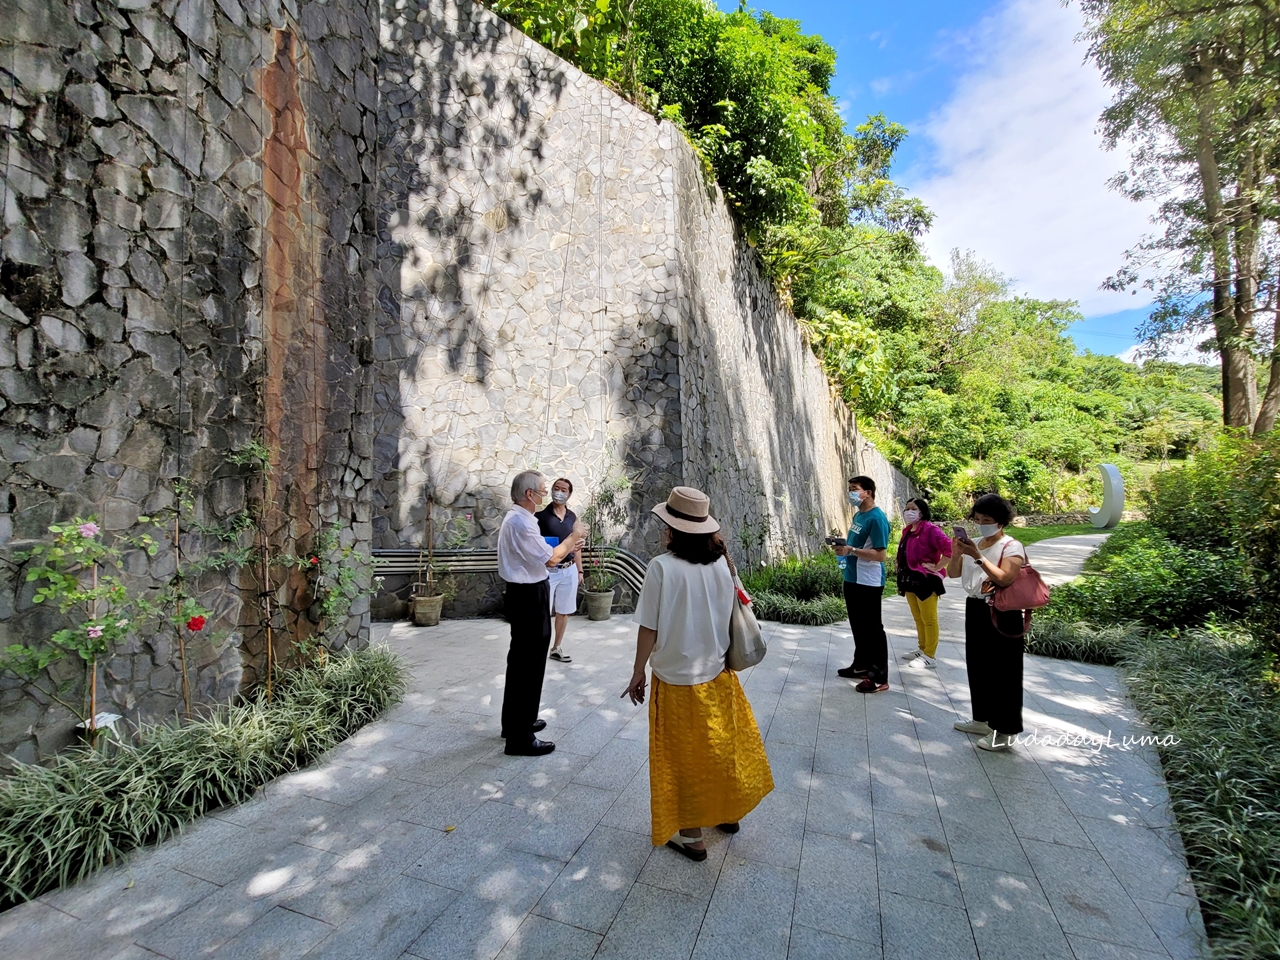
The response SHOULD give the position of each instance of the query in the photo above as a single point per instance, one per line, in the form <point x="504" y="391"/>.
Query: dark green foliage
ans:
<point x="1155" y="582"/>
<point x="815" y="612"/>
<point x="1082" y="642"/>
<point x="1214" y="692"/>
<point x="805" y="590"/>
<point x="58" y="824"/>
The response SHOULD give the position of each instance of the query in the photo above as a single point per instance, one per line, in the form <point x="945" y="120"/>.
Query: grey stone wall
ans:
<point x="188" y="220"/>
<point x="558" y="288"/>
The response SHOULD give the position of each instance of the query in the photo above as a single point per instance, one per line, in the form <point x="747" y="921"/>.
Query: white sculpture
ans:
<point x="1108" y="515"/>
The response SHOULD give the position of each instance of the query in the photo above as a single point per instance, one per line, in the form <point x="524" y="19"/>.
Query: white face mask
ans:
<point x="559" y="496"/>
<point x="855" y="497"/>
<point x="910" y="516"/>
<point x="988" y="529"/>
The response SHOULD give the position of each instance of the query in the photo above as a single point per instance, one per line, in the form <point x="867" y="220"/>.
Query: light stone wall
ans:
<point x="559" y="288"/>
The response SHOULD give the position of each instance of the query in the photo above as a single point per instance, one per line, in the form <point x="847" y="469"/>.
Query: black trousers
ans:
<point x="528" y="610"/>
<point x="870" y="645"/>
<point x="994" y="663"/>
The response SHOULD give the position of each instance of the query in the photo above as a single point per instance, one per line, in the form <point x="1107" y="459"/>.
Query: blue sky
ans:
<point x="1001" y="109"/>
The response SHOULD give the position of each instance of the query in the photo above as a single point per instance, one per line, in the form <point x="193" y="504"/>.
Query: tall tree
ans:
<point x="1197" y="91"/>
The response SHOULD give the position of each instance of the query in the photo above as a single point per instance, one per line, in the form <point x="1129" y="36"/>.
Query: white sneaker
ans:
<point x="913" y="655"/>
<point x="996" y="742"/>
<point x="558" y="654"/>
<point x="971" y="726"/>
<point x="922" y="662"/>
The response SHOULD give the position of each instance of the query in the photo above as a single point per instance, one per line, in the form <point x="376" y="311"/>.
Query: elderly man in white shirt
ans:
<point x="523" y="560"/>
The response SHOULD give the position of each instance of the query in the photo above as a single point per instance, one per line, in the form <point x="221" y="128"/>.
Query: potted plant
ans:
<point x="429" y="592"/>
<point x="598" y="582"/>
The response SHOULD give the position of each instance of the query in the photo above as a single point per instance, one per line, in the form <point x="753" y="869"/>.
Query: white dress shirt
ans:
<point x="522" y="553"/>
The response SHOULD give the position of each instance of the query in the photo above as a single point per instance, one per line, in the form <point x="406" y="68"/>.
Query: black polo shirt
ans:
<point x="552" y="526"/>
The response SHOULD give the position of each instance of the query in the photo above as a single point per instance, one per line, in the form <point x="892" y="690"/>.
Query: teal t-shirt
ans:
<point x="870" y="530"/>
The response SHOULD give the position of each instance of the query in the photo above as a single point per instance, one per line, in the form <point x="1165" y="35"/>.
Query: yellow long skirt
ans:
<point x="706" y="761"/>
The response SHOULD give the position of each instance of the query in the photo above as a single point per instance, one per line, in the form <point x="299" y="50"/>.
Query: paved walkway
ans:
<point x="889" y="835"/>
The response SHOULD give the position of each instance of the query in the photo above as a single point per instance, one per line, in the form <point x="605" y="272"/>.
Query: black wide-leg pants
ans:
<point x="528" y="611"/>
<point x="870" y="645"/>
<point x="994" y="663"/>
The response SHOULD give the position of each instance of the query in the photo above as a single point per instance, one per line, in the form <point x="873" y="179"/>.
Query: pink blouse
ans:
<point x="926" y="544"/>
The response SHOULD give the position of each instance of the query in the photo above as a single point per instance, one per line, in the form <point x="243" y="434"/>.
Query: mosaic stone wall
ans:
<point x="558" y="288"/>
<point x="188" y="219"/>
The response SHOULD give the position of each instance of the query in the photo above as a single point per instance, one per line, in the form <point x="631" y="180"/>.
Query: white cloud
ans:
<point x="1018" y="174"/>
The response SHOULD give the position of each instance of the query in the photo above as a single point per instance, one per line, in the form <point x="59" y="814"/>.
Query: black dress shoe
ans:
<point x="729" y="827"/>
<point x="538" y="725"/>
<point x="533" y="748"/>
<point x="851" y="672"/>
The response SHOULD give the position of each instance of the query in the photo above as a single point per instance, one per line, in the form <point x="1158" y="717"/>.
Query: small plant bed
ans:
<point x="802" y="590"/>
<point x="60" y="823"/>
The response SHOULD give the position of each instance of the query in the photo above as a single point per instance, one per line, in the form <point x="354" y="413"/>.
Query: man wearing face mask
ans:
<point x="867" y="542"/>
<point x="523" y="560"/>
<point x="557" y="521"/>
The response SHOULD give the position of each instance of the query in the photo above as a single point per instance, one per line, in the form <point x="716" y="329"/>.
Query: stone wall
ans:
<point x="188" y="220"/>
<point x="559" y="288"/>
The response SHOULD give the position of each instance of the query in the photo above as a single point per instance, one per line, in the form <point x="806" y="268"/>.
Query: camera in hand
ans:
<point x="836" y="542"/>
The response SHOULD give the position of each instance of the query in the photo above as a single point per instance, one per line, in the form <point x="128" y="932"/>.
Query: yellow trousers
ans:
<point x="925" y="613"/>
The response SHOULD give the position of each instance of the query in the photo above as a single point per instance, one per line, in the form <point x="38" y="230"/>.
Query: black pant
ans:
<point x="870" y="645"/>
<point x="528" y="610"/>
<point x="994" y="663"/>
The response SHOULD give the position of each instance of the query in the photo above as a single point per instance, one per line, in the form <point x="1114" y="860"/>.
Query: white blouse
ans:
<point x="689" y="605"/>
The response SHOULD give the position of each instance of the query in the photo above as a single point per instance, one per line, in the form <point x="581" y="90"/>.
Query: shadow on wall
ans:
<point x="755" y="439"/>
<point x="459" y="154"/>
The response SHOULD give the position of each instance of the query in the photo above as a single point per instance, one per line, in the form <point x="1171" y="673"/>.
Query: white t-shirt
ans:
<point x="522" y="552"/>
<point x="972" y="577"/>
<point x="689" y="604"/>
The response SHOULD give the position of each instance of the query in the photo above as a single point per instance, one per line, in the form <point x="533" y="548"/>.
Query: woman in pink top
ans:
<point x="923" y="552"/>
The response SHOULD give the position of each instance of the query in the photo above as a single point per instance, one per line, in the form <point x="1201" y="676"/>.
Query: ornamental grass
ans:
<point x="60" y="823"/>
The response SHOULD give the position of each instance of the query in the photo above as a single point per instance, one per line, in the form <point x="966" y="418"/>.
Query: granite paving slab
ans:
<point x="889" y="834"/>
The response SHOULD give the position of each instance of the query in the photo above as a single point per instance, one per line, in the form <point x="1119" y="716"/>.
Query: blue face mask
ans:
<point x="855" y="497"/>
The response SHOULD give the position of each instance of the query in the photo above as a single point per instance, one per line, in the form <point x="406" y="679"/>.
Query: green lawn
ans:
<point x="1027" y="535"/>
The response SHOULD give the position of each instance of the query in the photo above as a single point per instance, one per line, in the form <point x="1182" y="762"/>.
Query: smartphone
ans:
<point x="960" y="533"/>
<point x="836" y="542"/>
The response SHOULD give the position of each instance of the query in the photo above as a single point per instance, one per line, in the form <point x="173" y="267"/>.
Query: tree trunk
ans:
<point x="1246" y="224"/>
<point x="1271" y="401"/>
<point x="1235" y="410"/>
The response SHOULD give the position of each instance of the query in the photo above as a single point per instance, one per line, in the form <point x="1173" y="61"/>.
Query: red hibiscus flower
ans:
<point x="315" y="559"/>
<point x="195" y="624"/>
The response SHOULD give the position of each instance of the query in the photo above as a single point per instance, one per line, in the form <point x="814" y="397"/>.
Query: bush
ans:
<point x="806" y="590"/>
<point x="1141" y="575"/>
<point x="58" y="824"/>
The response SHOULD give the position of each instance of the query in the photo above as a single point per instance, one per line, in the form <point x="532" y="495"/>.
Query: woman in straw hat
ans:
<point x="706" y="761"/>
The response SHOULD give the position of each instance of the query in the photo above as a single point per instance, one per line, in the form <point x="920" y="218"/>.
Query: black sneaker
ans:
<point x="851" y="672"/>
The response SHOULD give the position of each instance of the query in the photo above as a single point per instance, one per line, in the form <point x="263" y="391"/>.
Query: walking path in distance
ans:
<point x="889" y="834"/>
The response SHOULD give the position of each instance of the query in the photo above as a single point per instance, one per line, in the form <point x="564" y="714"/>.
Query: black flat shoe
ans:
<point x="729" y="827"/>
<point x="534" y="748"/>
<point x="678" y="842"/>
<point x="538" y="726"/>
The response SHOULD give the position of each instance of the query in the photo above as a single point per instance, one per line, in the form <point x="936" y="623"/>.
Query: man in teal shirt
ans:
<point x="864" y="588"/>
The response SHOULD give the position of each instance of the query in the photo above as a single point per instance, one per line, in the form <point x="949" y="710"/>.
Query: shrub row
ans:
<point x="803" y="590"/>
<point x="58" y="824"/>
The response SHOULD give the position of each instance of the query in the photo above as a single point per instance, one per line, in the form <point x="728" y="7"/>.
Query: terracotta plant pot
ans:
<point x="426" y="610"/>
<point x="599" y="604"/>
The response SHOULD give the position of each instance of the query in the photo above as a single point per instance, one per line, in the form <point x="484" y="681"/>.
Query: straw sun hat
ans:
<point x="688" y="510"/>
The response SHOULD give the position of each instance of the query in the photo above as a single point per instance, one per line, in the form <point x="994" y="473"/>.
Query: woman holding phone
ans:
<point x="993" y="640"/>
<point x="923" y="553"/>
